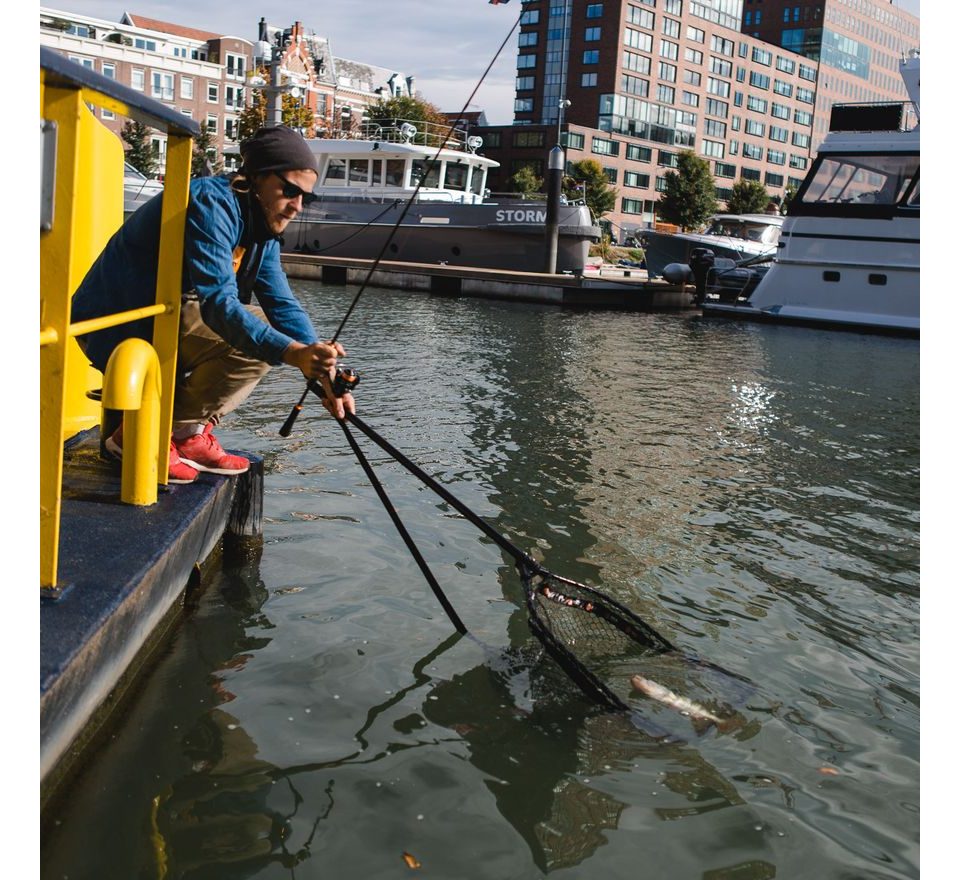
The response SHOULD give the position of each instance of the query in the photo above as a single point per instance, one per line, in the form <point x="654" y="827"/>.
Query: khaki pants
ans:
<point x="213" y="377"/>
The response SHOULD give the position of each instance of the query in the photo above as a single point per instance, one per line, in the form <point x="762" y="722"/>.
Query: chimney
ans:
<point x="412" y="86"/>
<point x="263" y="37"/>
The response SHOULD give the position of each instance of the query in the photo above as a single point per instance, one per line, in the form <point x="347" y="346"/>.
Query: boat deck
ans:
<point x="122" y="570"/>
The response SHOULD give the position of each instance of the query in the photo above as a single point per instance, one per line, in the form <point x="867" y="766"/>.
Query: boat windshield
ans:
<point x="763" y="233"/>
<point x="861" y="179"/>
<point x="416" y="173"/>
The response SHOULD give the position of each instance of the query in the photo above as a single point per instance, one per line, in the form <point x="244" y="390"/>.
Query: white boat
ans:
<point x="850" y="248"/>
<point x="364" y="190"/>
<point x="730" y="236"/>
<point x="137" y="189"/>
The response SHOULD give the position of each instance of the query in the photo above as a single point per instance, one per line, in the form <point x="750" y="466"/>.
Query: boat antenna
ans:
<point x="311" y="383"/>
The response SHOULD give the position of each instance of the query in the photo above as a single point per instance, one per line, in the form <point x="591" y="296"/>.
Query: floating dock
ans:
<point x="601" y="288"/>
<point x="123" y="572"/>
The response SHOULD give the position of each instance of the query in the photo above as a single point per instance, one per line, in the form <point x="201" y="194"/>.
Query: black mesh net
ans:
<point x="596" y="640"/>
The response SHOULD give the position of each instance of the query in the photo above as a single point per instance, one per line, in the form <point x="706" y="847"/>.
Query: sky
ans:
<point x="445" y="44"/>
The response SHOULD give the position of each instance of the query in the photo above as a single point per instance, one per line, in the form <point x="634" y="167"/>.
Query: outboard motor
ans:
<point x="701" y="262"/>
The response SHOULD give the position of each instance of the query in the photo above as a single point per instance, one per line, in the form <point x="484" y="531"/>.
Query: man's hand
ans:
<point x="319" y="361"/>
<point x="315" y="360"/>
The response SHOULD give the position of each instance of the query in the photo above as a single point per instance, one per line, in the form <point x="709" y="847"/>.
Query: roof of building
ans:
<point x="165" y="27"/>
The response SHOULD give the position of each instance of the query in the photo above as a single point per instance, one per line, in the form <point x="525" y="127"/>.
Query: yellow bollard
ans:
<point x="132" y="383"/>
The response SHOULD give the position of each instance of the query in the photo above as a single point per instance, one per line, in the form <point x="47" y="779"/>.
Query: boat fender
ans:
<point x="678" y="273"/>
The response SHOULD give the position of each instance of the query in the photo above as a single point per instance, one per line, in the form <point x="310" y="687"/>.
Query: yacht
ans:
<point x="735" y="237"/>
<point x="850" y="247"/>
<point x="385" y="175"/>
<point x="137" y="189"/>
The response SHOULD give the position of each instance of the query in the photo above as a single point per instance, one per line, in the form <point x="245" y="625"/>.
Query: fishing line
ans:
<point x="312" y="383"/>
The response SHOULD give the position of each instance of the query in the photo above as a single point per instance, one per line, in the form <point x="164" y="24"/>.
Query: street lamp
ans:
<point x="564" y="103"/>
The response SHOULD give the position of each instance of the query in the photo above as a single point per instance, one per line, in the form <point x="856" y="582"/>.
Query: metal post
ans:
<point x="276" y="94"/>
<point x="555" y="165"/>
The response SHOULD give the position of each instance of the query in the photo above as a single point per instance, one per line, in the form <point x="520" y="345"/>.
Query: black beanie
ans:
<point x="276" y="149"/>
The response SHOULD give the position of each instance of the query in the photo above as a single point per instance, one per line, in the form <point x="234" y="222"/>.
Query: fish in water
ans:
<point x="699" y="715"/>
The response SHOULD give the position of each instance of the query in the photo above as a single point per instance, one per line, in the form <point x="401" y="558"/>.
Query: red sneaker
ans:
<point x="204" y="452"/>
<point x="178" y="471"/>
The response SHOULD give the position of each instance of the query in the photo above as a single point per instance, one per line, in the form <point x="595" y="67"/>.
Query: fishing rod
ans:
<point x="287" y="426"/>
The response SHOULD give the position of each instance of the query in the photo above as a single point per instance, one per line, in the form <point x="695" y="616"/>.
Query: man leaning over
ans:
<point x="231" y="254"/>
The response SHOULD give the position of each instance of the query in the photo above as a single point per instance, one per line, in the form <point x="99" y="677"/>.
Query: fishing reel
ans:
<point x="345" y="381"/>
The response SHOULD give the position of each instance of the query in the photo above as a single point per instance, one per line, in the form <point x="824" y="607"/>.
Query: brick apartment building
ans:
<point x="209" y="76"/>
<point x="631" y="83"/>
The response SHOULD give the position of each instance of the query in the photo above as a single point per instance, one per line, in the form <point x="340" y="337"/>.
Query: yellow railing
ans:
<point x="81" y="207"/>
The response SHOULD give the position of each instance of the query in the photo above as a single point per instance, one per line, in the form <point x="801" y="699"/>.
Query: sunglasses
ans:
<point x="291" y="191"/>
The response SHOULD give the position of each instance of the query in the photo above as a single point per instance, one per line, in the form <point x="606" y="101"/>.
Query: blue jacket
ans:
<point x="125" y="277"/>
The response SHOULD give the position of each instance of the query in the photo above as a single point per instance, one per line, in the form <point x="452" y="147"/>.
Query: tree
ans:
<point x="390" y="113"/>
<point x="787" y="198"/>
<point x="689" y="195"/>
<point x="587" y="180"/>
<point x="748" y="197"/>
<point x="253" y="116"/>
<point x="205" y="159"/>
<point x="525" y="181"/>
<point x="140" y="155"/>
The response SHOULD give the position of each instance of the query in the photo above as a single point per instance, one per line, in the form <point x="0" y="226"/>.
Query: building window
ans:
<point x="639" y="154"/>
<point x="735" y="123"/>
<point x="636" y="63"/>
<point x="235" y="65"/>
<point x="530" y="16"/>
<point x="636" y="178"/>
<point x="611" y="174"/>
<point x="778" y="133"/>
<point x="715" y="129"/>
<point x="691" y="77"/>
<point x="720" y="67"/>
<point x="108" y="70"/>
<point x="759" y="80"/>
<point x="528" y="139"/>
<point x="750" y="173"/>
<point x="640" y="17"/>
<point x="632" y="206"/>
<point x="633" y="85"/>
<point x="666" y="159"/>
<point x="669" y="27"/>
<point x="776" y="157"/>
<point x="802" y="117"/>
<point x="786" y="65"/>
<point x="233" y="97"/>
<point x="212" y="123"/>
<point x="525" y="83"/>
<point x="186" y="88"/>
<point x="573" y="140"/>
<point x="695" y="34"/>
<point x="136" y="79"/>
<point x="800" y="140"/>
<point x="712" y="148"/>
<point x="213" y="92"/>
<point x="734" y="147"/>
<point x="798" y="162"/>
<point x="805" y="95"/>
<point x="717" y="108"/>
<point x="668" y="72"/>
<point x="774" y="180"/>
<point x="780" y="111"/>
<point x="673" y="7"/>
<point x="666" y="94"/>
<point x="691" y="99"/>
<point x="762" y="56"/>
<point x="161" y="86"/>
<point x="594" y="10"/>
<point x="758" y="105"/>
<point x="807" y="72"/>
<point x="588" y="80"/>
<point x="637" y="40"/>
<point x="783" y="88"/>
<point x="661" y="184"/>
<point x="604" y="147"/>
<point x="148" y="45"/>
<point x="591" y="35"/>
<point x="752" y="151"/>
<point x="491" y="139"/>
<point x="523" y="105"/>
<point x="669" y="50"/>
<point x="719" y="44"/>
<point x="755" y="128"/>
<point x="526" y="61"/>
<point x="591" y="56"/>
<point x="693" y="56"/>
<point x="724" y="169"/>
<point x="528" y="38"/>
<point x="718" y="87"/>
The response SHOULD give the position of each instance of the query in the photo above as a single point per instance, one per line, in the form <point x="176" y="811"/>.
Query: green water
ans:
<point x="751" y="491"/>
